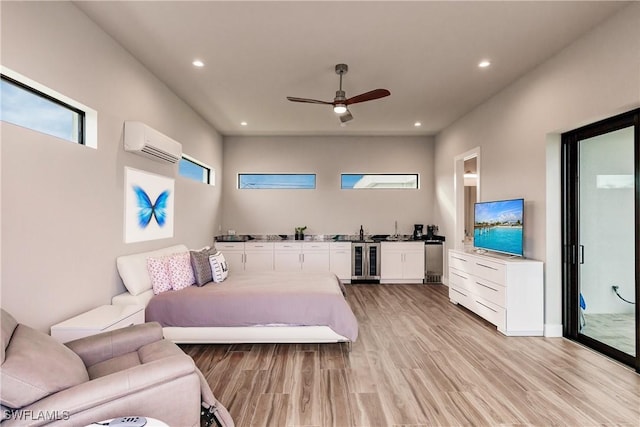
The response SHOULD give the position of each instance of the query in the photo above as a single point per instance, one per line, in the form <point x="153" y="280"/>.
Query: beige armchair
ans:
<point x="130" y="371"/>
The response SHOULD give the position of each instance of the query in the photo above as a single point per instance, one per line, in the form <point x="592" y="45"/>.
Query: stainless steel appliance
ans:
<point x="365" y="261"/>
<point x="433" y="261"/>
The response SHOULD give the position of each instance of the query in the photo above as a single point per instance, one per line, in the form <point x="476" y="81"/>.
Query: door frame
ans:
<point x="570" y="231"/>
<point x="458" y="190"/>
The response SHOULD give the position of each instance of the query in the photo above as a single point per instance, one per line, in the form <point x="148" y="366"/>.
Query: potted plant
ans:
<point x="300" y="232"/>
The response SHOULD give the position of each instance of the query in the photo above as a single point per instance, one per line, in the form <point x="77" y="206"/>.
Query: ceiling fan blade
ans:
<point x="346" y="117"/>
<point x="368" y="96"/>
<point x="308" y="101"/>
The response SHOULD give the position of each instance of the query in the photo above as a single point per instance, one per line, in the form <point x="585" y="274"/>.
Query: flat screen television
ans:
<point x="498" y="226"/>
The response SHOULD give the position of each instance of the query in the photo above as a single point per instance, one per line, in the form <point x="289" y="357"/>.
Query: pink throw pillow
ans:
<point x="159" y="274"/>
<point x="180" y="271"/>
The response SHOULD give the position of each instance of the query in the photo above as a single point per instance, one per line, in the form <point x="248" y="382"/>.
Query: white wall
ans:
<point x="62" y="204"/>
<point x="596" y="77"/>
<point x="327" y="209"/>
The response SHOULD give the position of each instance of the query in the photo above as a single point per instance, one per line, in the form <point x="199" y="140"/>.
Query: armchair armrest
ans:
<point x="119" y="386"/>
<point x="107" y="345"/>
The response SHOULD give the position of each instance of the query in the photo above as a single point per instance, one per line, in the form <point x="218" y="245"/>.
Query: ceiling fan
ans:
<point x="341" y="102"/>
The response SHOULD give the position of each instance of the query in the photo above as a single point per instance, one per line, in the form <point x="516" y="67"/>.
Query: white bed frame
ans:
<point x="237" y="334"/>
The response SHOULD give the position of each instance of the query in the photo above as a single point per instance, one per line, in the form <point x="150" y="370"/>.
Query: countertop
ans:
<point x="325" y="238"/>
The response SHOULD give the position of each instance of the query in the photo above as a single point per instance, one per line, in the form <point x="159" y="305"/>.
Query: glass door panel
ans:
<point x="606" y="239"/>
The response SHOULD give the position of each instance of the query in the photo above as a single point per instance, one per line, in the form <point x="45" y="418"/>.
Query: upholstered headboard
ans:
<point x="133" y="269"/>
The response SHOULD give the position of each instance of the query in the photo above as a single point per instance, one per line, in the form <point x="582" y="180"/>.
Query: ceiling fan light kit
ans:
<point x="341" y="102"/>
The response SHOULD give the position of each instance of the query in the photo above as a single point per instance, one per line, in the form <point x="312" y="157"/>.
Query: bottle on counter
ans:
<point x="361" y="233"/>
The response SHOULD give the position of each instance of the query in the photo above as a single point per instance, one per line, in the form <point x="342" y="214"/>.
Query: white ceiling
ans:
<point x="258" y="53"/>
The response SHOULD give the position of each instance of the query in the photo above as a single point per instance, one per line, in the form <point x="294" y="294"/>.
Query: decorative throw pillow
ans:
<point x="180" y="271"/>
<point x="219" y="269"/>
<point x="159" y="274"/>
<point x="201" y="266"/>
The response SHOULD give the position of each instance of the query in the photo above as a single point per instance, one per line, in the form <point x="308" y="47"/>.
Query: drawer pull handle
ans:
<point x="459" y="275"/>
<point x="459" y="259"/>
<point x="487" y="266"/>
<point x="455" y="290"/>
<point x="486" y="306"/>
<point x="487" y="286"/>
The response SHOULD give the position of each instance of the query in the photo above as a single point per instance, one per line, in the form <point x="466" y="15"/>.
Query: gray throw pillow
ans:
<point x="201" y="266"/>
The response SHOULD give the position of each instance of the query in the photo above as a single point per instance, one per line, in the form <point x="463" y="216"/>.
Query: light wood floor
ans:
<point x="615" y="329"/>
<point x="420" y="361"/>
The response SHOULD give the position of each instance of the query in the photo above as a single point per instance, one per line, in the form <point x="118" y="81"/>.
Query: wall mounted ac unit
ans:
<point x="146" y="141"/>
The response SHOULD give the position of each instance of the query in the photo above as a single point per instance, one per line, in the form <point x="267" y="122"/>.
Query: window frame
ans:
<point x="240" y="174"/>
<point x="211" y="175"/>
<point x="88" y="123"/>
<point x="344" y="174"/>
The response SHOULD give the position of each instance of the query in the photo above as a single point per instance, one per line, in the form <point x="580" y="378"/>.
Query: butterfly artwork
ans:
<point x="148" y="210"/>
<point x="149" y="203"/>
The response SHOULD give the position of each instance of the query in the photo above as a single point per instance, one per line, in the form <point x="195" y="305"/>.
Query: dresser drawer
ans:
<point x="489" y="270"/>
<point x="488" y="310"/>
<point x="460" y="279"/>
<point x="459" y="262"/>
<point x="460" y="296"/>
<point x="485" y="289"/>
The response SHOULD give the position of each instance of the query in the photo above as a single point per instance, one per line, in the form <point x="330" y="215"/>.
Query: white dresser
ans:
<point x="100" y="319"/>
<point x="507" y="292"/>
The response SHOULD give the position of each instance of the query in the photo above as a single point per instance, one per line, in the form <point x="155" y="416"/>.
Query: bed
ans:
<point x="264" y="307"/>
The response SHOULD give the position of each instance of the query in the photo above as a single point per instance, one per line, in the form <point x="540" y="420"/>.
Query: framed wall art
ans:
<point x="148" y="206"/>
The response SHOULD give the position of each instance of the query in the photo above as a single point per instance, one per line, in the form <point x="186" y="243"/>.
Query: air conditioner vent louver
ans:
<point x="146" y="141"/>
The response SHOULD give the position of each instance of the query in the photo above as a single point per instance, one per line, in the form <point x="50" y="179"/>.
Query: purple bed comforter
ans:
<point x="265" y="298"/>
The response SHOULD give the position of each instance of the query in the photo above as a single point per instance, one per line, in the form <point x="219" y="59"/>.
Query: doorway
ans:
<point x="467" y="192"/>
<point x="601" y="205"/>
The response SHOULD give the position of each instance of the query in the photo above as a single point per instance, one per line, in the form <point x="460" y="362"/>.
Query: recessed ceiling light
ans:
<point x="484" y="63"/>
<point x="198" y="63"/>
<point x="243" y="123"/>
<point x="417" y="124"/>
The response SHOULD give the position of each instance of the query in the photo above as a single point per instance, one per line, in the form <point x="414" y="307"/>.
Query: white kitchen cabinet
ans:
<point x="402" y="262"/>
<point x="258" y="256"/>
<point x="301" y="256"/>
<point x="507" y="292"/>
<point x="233" y="254"/>
<point x="247" y="256"/>
<point x="287" y="256"/>
<point x="315" y="257"/>
<point x="340" y="260"/>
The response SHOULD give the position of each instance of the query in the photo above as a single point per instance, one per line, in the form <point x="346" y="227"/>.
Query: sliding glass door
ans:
<point x="601" y="236"/>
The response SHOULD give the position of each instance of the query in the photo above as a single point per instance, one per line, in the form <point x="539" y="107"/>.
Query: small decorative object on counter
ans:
<point x="361" y="233"/>
<point x="300" y="232"/>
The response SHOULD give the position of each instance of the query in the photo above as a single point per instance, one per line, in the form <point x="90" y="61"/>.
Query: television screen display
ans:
<point x="498" y="226"/>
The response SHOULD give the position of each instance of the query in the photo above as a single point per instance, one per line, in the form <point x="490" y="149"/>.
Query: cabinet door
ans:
<point x="235" y="260"/>
<point x="315" y="261"/>
<point x="287" y="261"/>
<point x="413" y="265"/>
<point x="391" y="265"/>
<point x="340" y="263"/>
<point x="258" y="261"/>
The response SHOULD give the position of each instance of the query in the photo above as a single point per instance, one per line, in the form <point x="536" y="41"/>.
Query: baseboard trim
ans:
<point x="553" y="331"/>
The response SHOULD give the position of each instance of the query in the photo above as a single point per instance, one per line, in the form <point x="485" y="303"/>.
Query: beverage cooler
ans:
<point x="433" y="261"/>
<point x="365" y="262"/>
